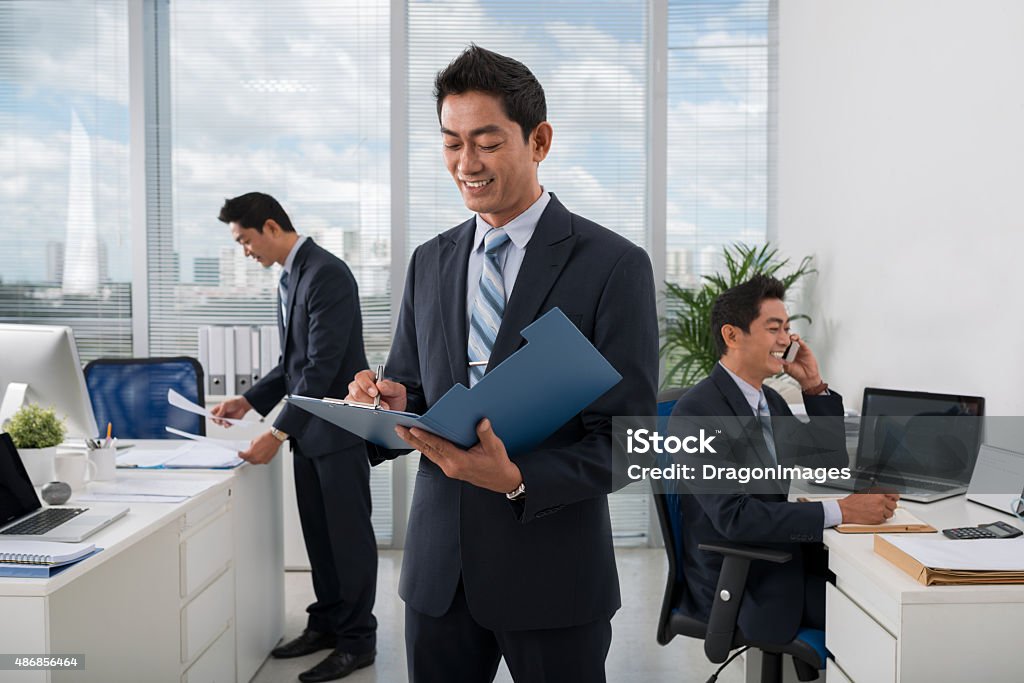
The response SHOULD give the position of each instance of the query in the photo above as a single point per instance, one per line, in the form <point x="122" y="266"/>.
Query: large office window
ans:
<point x="64" y="169"/>
<point x="591" y="58"/>
<point x="719" y="131"/>
<point x="288" y="98"/>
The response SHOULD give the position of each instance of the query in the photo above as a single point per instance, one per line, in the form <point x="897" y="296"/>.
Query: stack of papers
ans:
<point x="163" y="489"/>
<point x="193" y="455"/>
<point x="943" y="561"/>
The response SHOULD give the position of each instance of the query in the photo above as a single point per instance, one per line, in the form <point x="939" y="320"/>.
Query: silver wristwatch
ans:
<point x="278" y="434"/>
<point x="518" y="493"/>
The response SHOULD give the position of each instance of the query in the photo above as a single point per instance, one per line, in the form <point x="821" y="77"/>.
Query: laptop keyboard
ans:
<point x="43" y="521"/>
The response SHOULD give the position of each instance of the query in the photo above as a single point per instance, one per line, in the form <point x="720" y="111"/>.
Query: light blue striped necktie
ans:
<point x="765" y="416"/>
<point x="488" y="307"/>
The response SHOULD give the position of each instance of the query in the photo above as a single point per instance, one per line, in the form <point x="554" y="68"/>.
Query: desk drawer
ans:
<point x="833" y="674"/>
<point x="865" y="651"/>
<point x="208" y="616"/>
<point x="205" y="553"/>
<point x="217" y="664"/>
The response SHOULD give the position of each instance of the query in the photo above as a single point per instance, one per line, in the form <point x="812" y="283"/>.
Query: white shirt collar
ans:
<point x="288" y="262"/>
<point x="520" y="229"/>
<point x="750" y="393"/>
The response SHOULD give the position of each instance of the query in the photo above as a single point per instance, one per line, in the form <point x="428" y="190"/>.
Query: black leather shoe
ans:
<point x="308" y="642"/>
<point x="337" y="665"/>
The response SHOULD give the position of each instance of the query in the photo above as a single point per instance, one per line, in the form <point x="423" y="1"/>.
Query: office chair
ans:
<point x="131" y="395"/>
<point x="720" y="634"/>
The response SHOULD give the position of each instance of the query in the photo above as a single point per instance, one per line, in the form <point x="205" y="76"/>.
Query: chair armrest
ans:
<point x="732" y="582"/>
<point x="749" y="552"/>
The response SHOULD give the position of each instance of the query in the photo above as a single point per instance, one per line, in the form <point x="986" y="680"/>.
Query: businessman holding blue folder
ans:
<point x="511" y="556"/>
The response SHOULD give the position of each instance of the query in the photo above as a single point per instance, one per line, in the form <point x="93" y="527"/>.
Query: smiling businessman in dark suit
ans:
<point x="321" y="346"/>
<point x="750" y="327"/>
<point x="511" y="557"/>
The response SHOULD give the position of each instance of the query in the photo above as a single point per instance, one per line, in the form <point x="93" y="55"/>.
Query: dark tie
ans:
<point x="488" y="307"/>
<point x="765" y="416"/>
<point x="283" y="291"/>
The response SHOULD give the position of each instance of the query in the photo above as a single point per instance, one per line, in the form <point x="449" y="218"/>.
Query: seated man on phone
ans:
<point x="751" y="329"/>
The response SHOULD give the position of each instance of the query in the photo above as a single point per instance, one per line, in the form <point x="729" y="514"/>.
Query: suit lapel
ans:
<point x="546" y="255"/>
<point x="293" y="285"/>
<point x="739" y="406"/>
<point x="452" y="263"/>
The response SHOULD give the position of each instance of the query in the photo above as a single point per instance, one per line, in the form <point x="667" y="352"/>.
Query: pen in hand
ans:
<point x="377" y="378"/>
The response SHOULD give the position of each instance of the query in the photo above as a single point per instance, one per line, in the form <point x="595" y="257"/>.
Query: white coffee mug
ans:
<point x="73" y="468"/>
<point x="105" y="461"/>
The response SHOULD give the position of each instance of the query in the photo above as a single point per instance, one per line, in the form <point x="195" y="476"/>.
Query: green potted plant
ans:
<point x="687" y="346"/>
<point x="36" y="432"/>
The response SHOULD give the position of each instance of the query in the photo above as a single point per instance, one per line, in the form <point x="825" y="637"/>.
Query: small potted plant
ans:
<point x="36" y="432"/>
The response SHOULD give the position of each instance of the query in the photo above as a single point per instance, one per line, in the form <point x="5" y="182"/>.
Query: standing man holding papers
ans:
<point x="321" y="347"/>
<point x="511" y="557"/>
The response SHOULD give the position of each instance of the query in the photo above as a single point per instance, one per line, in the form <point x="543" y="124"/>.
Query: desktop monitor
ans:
<point x="45" y="358"/>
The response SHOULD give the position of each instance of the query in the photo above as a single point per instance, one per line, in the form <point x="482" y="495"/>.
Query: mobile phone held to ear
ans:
<point x="790" y="354"/>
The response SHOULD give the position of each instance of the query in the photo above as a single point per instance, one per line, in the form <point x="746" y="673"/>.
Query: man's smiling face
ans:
<point x="484" y="150"/>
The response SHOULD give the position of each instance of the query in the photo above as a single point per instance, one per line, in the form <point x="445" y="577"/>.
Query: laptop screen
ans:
<point x="917" y="434"/>
<point x="17" y="497"/>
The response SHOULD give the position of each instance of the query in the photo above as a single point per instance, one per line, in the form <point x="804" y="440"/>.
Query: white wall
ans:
<point x="901" y="169"/>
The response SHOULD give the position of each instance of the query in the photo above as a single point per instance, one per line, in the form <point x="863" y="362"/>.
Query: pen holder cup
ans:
<point x="105" y="461"/>
<point x="73" y="469"/>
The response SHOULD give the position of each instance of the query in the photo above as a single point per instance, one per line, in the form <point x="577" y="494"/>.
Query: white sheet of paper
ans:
<point x="146" y="457"/>
<point x="992" y="554"/>
<point x="179" y="401"/>
<point x="127" y="498"/>
<point x="198" y="455"/>
<point x="228" y="444"/>
<point x="165" y="485"/>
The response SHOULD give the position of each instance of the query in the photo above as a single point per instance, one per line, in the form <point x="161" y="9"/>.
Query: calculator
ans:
<point x="993" y="530"/>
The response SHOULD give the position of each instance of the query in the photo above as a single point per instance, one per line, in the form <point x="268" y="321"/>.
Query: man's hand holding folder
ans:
<point x="486" y="464"/>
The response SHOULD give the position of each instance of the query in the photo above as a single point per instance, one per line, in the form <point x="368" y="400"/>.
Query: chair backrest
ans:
<point x="666" y="504"/>
<point x="131" y="394"/>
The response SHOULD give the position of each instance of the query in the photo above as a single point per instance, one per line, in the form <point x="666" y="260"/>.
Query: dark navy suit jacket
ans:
<point x="773" y="603"/>
<point x="548" y="562"/>
<point x="321" y="349"/>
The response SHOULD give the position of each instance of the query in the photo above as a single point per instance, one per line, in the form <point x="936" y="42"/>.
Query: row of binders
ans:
<point x="234" y="357"/>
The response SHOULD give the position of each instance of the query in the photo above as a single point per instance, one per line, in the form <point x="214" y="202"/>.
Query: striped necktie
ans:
<point x="765" y="417"/>
<point x="488" y="307"/>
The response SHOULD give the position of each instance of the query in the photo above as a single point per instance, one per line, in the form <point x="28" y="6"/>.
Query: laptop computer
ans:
<point x="998" y="480"/>
<point x="920" y="444"/>
<point x="23" y="517"/>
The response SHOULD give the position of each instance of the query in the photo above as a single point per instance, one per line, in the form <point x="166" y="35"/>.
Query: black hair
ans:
<point x="521" y="94"/>
<point x="741" y="305"/>
<point x="252" y="210"/>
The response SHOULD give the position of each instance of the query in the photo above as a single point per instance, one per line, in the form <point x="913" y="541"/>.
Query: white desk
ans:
<point x="884" y="626"/>
<point x="192" y="591"/>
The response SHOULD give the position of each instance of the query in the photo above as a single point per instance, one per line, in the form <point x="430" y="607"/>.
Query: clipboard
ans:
<point x="527" y="397"/>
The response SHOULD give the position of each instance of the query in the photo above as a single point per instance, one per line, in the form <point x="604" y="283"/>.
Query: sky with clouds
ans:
<point x="294" y="99"/>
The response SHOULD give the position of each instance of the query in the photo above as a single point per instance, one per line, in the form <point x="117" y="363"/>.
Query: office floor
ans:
<point x="634" y="657"/>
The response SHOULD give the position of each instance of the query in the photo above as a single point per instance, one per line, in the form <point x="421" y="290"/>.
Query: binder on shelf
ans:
<point x="243" y="358"/>
<point x="217" y="372"/>
<point x="269" y="345"/>
<point x="230" y="388"/>
<point x="204" y="356"/>
<point x="254" y="341"/>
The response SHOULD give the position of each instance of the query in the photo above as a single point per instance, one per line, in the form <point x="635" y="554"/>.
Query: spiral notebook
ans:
<point x="42" y="552"/>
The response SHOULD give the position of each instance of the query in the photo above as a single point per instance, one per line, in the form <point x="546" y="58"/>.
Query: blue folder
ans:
<point x="527" y="397"/>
